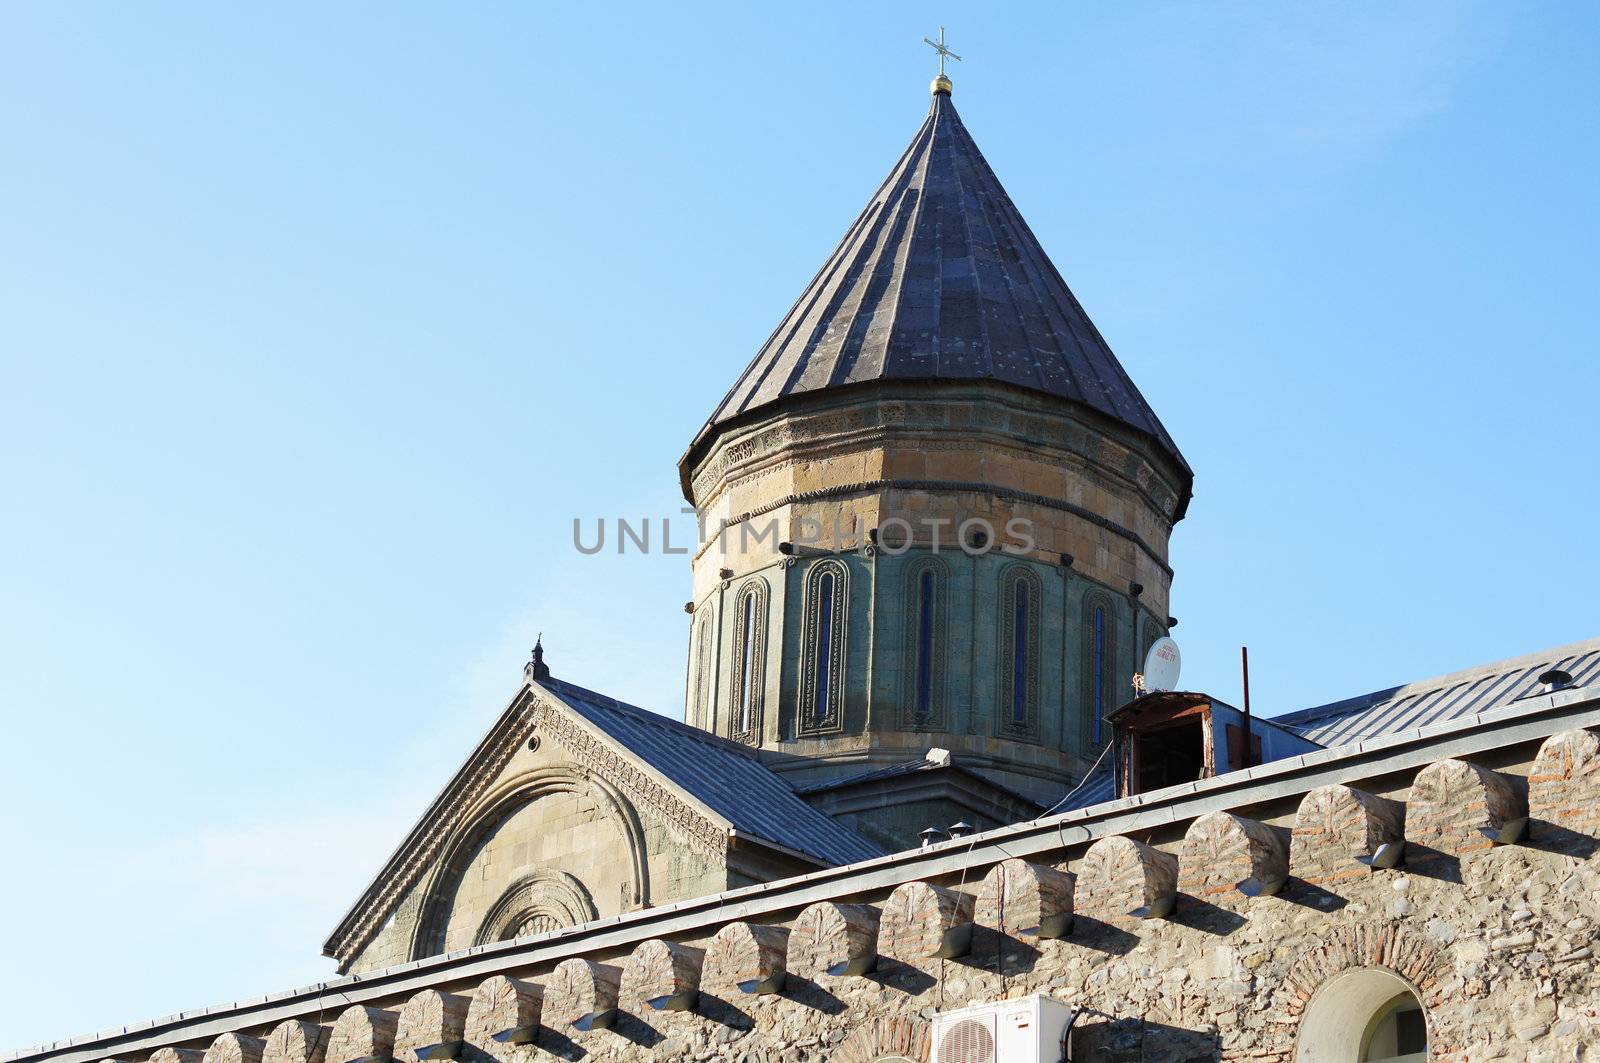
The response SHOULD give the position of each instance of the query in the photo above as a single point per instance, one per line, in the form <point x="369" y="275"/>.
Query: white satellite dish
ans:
<point x="1161" y="665"/>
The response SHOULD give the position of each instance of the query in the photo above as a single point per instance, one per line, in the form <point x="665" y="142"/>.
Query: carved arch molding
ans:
<point x="539" y="900"/>
<point x="536" y="902"/>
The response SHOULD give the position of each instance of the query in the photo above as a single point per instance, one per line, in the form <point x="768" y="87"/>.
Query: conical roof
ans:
<point x="940" y="279"/>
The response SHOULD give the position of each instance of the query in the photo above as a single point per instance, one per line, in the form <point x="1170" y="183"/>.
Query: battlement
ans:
<point x="1199" y="919"/>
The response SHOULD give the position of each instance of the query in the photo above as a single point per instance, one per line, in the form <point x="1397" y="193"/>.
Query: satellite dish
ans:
<point x="1161" y="665"/>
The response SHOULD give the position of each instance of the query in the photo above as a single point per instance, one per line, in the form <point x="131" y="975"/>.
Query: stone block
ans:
<point x="834" y="940"/>
<point x="236" y="1048"/>
<point x="427" y="1019"/>
<point x="582" y="995"/>
<point x="361" y="1032"/>
<point x="296" y="1041"/>
<point x="1456" y="808"/>
<point x="1123" y="880"/>
<point x="506" y="1007"/>
<point x="1025" y="900"/>
<point x="1564" y="789"/>
<point x="1227" y="859"/>
<point x="661" y="976"/>
<point x="1336" y="827"/>
<point x="922" y="921"/>
<point x="746" y="958"/>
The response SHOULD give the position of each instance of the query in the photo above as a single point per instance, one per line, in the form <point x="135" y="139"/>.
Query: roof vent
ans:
<point x="1555" y="679"/>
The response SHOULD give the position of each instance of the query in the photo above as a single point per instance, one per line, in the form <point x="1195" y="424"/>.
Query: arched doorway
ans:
<point x="1366" y="1015"/>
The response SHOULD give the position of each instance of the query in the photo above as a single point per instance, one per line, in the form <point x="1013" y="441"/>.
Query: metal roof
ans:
<point x="726" y="776"/>
<point x="1447" y="697"/>
<point x="941" y="279"/>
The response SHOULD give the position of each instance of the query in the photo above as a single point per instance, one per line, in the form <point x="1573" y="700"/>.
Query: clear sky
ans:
<point x="319" y="324"/>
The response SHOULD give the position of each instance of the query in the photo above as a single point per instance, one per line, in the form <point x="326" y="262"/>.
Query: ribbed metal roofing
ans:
<point x="1447" y="697"/>
<point x="1403" y="708"/>
<point x="941" y="279"/>
<point x="727" y="777"/>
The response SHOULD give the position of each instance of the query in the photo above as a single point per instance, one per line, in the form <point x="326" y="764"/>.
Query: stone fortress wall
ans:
<point x="1494" y="937"/>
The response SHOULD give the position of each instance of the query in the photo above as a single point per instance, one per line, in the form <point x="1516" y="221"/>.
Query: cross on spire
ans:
<point x="939" y="46"/>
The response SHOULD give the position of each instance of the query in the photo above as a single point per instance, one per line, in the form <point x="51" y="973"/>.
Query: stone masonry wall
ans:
<point x="1491" y="922"/>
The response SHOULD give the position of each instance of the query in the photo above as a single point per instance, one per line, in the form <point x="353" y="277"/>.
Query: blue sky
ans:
<point x="319" y="325"/>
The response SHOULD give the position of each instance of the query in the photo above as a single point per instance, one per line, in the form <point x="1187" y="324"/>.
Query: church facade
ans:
<point x="913" y="776"/>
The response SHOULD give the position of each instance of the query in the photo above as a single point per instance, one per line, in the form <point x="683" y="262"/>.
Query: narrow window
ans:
<point x="925" y="606"/>
<point x="824" y="647"/>
<point x="703" y="673"/>
<point x="1019" y="655"/>
<point x="1099" y="667"/>
<point x="747" y="664"/>
<point x="1017" y="706"/>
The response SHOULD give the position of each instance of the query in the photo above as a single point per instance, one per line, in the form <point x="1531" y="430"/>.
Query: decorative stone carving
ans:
<point x="662" y="976"/>
<point x="503" y="1008"/>
<point x="429" y="1018"/>
<point x="296" y="1041"/>
<point x="542" y="900"/>
<point x="642" y="790"/>
<point x="1336" y="828"/>
<point x="420" y="851"/>
<point x="1456" y="808"/>
<point x="582" y="994"/>
<point x="361" y="1032"/>
<point x="1025" y="900"/>
<point x="834" y="939"/>
<point x="746" y="958"/>
<point x="236" y="1048"/>
<point x="1227" y="858"/>
<point x="922" y="921"/>
<point x="1564" y="789"/>
<point x="1121" y="879"/>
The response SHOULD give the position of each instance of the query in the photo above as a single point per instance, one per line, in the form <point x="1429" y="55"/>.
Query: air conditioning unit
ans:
<point x="1026" y="1030"/>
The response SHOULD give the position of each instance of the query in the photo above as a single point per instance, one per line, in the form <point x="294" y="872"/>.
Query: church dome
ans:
<point x="940" y="279"/>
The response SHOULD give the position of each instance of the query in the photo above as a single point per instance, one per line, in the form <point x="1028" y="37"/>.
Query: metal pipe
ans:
<point x="1244" y="665"/>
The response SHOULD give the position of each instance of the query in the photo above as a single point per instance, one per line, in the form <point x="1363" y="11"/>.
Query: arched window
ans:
<point x="827" y="607"/>
<point x="1098" y="669"/>
<point x="1368" y="1015"/>
<point x="1019" y="686"/>
<point x="749" y="660"/>
<point x="704" y="669"/>
<point x="923" y="676"/>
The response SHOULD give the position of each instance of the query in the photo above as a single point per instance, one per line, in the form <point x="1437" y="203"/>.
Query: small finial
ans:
<point x="536" y="669"/>
<point x="941" y="84"/>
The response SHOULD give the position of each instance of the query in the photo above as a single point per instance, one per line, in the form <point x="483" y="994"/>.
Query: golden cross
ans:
<point x="944" y="53"/>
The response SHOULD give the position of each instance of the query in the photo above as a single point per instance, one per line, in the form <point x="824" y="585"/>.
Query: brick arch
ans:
<point x="882" y="1040"/>
<point x="1355" y="947"/>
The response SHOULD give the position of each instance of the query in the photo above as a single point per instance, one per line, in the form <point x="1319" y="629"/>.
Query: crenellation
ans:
<point x="581" y="995"/>
<point x="661" y="975"/>
<point x="1519" y="919"/>
<point x="236" y="1048"/>
<point x="296" y="1041"/>
<point x="427" y="1019"/>
<point x="923" y="921"/>
<point x="361" y="1032"/>
<point x="746" y="959"/>
<point x="503" y="1006"/>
